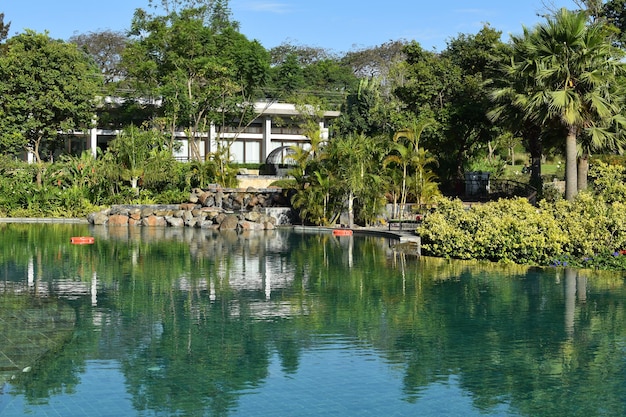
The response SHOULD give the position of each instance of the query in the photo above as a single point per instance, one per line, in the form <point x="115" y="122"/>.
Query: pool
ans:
<point x="165" y="322"/>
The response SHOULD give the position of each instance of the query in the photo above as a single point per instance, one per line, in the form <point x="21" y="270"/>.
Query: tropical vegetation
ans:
<point x="413" y="124"/>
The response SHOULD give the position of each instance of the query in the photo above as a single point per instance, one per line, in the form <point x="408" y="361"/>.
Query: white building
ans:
<point x="273" y="128"/>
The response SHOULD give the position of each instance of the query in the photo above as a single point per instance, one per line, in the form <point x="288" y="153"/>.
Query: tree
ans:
<point x="407" y="154"/>
<point x="567" y="71"/>
<point x="303" y="55"/>
<point x="204" y="70"/>
<point x="4" y="28"/>
<point x="370" y="111"/>
<point x="303" y="71"/>
<point x="375" y="62"/>
<point x="451" y="88"/>
<point x="106" y="49"/>
<point x="47" y="87"/>
<point x="140" y="155"/>
<point x="355" y="161"/>
<point x="611" y="13"/>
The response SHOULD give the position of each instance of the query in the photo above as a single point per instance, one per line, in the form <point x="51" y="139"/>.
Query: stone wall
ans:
<point x="214" y="208"/>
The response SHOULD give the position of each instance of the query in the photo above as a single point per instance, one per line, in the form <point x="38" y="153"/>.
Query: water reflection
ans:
<point x="193" y="322"/>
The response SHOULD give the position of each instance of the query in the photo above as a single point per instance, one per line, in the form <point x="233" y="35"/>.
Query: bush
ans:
<point x="506" y="231"/>
<point x="586" y="232"/>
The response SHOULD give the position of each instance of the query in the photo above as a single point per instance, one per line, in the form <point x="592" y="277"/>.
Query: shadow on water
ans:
<point x="195" y="322"/>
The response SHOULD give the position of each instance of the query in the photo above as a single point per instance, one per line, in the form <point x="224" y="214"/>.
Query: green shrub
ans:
<point x="505" y="231"/>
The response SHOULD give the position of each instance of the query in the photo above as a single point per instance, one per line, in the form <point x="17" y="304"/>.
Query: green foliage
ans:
<point x="205" y="73"/>
<point x="451" y="88"/>
<point x="495" y="166"/>
<point x="46" y="87"/>
<point x="142" y="155"/>
<point x="507" y="230"/>
<point x="589" y="231"/>
<point x="566" y="78"/>
<point x="609" y="181"/>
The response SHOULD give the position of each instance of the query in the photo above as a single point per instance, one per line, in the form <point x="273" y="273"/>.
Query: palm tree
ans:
<point x="408" y="155"/>
<point x="564" y="72"/>
<point x="354" y="162"/>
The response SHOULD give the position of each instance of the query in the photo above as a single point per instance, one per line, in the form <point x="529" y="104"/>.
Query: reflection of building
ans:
<point x="254" y="264"/>
<point x="276" y="125"/>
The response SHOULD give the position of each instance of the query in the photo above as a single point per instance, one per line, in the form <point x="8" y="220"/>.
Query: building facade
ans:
<point x="276" y="126"/>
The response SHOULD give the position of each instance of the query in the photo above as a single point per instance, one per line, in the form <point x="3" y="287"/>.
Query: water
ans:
<point x="177" y="322"/>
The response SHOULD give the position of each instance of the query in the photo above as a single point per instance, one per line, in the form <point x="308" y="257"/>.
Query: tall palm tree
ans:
<point x="565" y="71"/>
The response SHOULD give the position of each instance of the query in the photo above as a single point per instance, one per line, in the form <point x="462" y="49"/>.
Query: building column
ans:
<point x="209" y="142"/>
<point x="266" y="143"/>
<point x="323" y="131"/>
<point x="92" y="144"/>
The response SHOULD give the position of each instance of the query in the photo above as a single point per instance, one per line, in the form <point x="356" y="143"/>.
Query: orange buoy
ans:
<point x="82" y="240"/>
<point x="342" y="232"/>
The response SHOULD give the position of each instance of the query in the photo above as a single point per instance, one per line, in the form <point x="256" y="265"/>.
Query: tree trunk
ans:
<point x="351" y="210"/>
<point x="571" y="168"/>
<point x="583" y="171"/>
<point x="533" y="134"/>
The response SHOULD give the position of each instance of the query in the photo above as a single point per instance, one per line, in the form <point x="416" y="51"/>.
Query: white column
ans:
<point x="93" y="141"/>
<point x="210" y="141"/>
<point x="323" y="131"/>
<point x="266" y="144"/>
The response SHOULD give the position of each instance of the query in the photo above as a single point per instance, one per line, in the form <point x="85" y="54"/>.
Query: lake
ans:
<point x="186" y="322"/>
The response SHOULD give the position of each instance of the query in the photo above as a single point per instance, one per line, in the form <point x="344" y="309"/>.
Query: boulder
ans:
<point x="174" y="221"/>
<point x="118" y="220"/>
<point x="230" y="222"/>
<point x="253" y="216"/>
<point x="153" y="221"/>
<point x="134" y="213"/>
<point x="147" y="212"/>
<point x="248" y="225"/>
<point x="99" y="218"/>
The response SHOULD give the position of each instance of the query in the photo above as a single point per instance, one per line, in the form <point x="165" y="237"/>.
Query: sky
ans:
<point x="335" y="25"/>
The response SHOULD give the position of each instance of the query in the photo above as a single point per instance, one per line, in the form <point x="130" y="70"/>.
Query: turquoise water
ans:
<point x="197" y="323"/>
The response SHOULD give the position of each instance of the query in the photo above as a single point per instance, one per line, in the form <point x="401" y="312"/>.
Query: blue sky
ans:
<point x="336" y="25"/>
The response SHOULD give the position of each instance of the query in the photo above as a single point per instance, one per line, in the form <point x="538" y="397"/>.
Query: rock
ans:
<point x="134" y="222"/>
<point x="163" y="212"/>
<point x="204" y="197"/>
<point x="134" y="213"/>
<point x="147" y="212"/>
<point x="153" y="221"/>
<point x="253" y="216"/>
<point x="98" y="218"/>
<point x="219" y="218"/>
<point x="118" y="220"/>
<point x="174" y="221"/>
<point x="207" y="224"/>
<point x="187" y="216"/>
<point x="248" y="225"/>
<point x="230" y="222"/>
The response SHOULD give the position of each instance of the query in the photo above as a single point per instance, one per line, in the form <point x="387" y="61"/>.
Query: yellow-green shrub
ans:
<point x="506" y="230"/>
<point x="516" y="231"/>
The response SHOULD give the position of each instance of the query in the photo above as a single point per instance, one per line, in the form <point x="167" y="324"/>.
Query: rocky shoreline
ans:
<point x="214" y="208"/>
